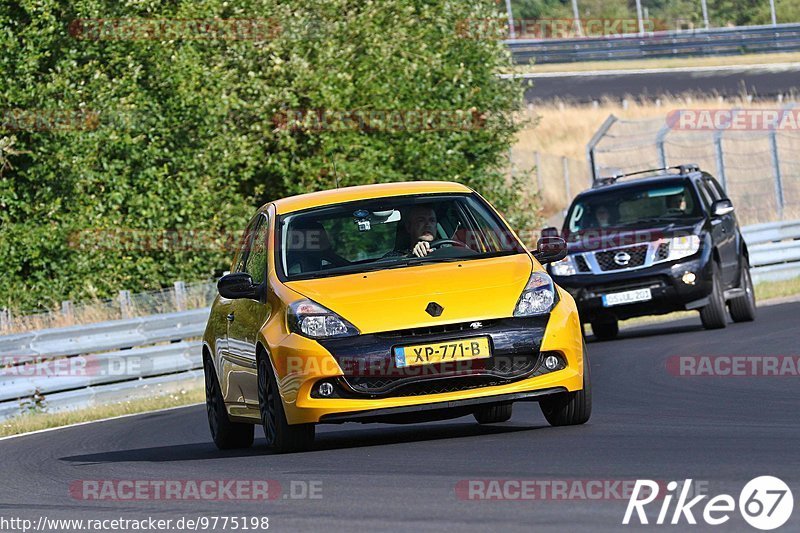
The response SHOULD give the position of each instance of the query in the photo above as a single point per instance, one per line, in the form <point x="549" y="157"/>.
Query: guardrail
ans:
<point x="716" y="41"/>
<point x="79" y="366"/>
<point x="774" y="250"/>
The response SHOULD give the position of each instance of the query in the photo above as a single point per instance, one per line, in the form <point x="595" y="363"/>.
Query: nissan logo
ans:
<point x="622" y="258"/>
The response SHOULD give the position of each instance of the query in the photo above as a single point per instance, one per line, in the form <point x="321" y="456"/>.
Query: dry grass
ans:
<point x="558" y="129"/>
<point x="37" y="421"/>
<point x="671" y="62"/>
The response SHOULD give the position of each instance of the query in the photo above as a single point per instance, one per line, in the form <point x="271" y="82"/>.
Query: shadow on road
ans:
<point x="326" y="440"/>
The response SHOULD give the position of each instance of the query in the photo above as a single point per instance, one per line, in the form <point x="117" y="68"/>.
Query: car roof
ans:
<point x="365" y="192"/>
<point x="638" y="182"/>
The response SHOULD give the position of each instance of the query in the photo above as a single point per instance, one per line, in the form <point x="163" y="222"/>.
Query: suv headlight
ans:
<point x="312" y="320"/>
<point x="684" y="246"/>
<point x="565" y="267"/>
<point x="538" y="297"/>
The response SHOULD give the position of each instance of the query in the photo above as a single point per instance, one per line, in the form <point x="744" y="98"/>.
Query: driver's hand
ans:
<point x="421" y="249"/>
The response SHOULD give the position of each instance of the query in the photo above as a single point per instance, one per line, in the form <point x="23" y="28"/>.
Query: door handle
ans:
<point x="230" y="317"/>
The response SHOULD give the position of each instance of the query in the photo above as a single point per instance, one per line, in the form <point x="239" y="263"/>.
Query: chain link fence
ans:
<point x="760" y="170"/>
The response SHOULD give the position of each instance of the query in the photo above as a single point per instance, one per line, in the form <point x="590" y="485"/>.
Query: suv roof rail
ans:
<point x="687" y="168"/>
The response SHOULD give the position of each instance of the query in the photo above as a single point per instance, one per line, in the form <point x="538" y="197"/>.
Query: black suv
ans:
<point x="664" y="241"/>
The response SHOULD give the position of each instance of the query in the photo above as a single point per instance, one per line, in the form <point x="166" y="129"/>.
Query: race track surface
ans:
<point x="762" y="83"/>
<point x="647" y="423"/>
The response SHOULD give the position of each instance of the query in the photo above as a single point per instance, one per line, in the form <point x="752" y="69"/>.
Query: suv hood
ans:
<point x="596" y="239"/>
<point x="392" y="299"/>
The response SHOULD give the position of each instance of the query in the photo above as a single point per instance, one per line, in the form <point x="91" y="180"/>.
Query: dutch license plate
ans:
<point x="627" y="297"/>
<point x="439" y="352"/>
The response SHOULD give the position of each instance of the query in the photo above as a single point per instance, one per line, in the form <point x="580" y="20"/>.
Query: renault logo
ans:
<point x="434" y="309"/>
<point x="622" y="258"/>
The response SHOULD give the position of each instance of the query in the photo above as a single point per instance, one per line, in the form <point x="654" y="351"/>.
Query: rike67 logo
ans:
<point x="765" y="503"/>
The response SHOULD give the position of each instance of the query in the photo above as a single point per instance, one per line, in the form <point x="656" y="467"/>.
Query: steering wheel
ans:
<point x="440" y="242"/>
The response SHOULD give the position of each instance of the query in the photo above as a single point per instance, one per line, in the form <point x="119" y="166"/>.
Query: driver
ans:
<point x="420" y="224"/>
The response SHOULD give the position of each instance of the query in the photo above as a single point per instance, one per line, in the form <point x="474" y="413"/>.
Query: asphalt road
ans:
<point x="647" y="423"/>
<point x="761" y="82"/>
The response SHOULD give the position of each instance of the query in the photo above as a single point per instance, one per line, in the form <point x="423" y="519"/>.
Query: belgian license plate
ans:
<point x="627" y="297"/>
<point x="439" y="352"/>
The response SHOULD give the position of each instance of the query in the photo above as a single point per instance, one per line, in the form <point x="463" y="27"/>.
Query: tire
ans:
<point x="605" y="329"/>
<point x="493" y="414"/>
<point x="743" y="308"/>
<point x="713" y="315"/>
<point x="227" y="435"/>
<point x="281" y="437"/>
<point x="570" y="408"/>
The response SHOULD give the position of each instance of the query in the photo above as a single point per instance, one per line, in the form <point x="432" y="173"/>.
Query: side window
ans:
<point x="705" y="193"/>
<point x="256" y="261"/>
<point x="716" y="187"/>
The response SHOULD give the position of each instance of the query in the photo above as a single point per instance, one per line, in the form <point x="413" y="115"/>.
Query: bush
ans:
<point x="124" y="143"/>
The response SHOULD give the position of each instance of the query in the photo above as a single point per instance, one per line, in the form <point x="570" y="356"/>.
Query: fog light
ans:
<point x="551" y="362"/>
<point x="689" y="278"/>
<point x="325" y="389"/>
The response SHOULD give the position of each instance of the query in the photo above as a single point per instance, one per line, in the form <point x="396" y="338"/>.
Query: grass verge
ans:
<point x="670" y="62"/>
<point x="35" y="421"/>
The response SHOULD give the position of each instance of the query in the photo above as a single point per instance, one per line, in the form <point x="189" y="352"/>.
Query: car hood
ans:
<point x="607" y="238"/>
<point x="392" y="299"/>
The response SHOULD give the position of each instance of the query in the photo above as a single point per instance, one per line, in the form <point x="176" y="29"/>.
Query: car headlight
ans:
<point x="538" y="297"/>
<point x="310" y="319"/>
<point x="565" y="267"/>
<point x="684" y="246"/>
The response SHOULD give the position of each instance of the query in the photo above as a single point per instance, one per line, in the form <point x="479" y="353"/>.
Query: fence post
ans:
<point x="565" y="163"/>
<point x="662" y="154"/>
<point x="5" y="319"/>
<point x="720" y="156"/>
<point x="776" y="168"/>
<point x="538" y="161"/>
<point x="125" y="303"/>
<point x="67" y="310"/>
<point x="180" y="295"/>
<point x="596" y="138"/>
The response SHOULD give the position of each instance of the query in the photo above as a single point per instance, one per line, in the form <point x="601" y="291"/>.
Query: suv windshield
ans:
<point x="381" y="233"/>
<point x="632" y="206"/>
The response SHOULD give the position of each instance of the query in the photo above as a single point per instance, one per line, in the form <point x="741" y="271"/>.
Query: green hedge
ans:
<point x="120" y="143"/>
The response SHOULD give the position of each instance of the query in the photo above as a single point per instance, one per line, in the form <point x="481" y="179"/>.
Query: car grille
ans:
<point x="637" y="254"/>
<point x="663" y="251"/>
<point x="435" y="330"/>
<point x="497" y="371"/>
<point x="583" y="266"/>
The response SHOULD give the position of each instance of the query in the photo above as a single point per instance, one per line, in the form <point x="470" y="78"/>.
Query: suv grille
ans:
<point x="663" y="251"/>
<point x="583" y="266"/>
<point x="637" y="256"/>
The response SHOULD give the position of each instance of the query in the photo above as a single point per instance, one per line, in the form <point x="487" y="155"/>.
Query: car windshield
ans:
<point x="381" y="233"/>
<point x="632" y="207"/>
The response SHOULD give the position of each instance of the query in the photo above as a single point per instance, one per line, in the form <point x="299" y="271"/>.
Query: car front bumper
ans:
<point x="301" y="364"/>
<point x="665" y="281"/>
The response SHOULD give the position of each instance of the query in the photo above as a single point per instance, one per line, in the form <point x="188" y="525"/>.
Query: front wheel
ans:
<point x="570" y="408"/>
<point x="493" y="414"/>
<point x="281" y="436"/>
<point x="743" y="308"/>
<point x="605" y="328"/>
<point x="227" y="435"/>
<point x="713" y="314"/>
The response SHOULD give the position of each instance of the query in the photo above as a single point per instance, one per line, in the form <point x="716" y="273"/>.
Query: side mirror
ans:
<point x="237" y="285"/>
<point x="550" y="249"/>
<point x="722" y="207"/>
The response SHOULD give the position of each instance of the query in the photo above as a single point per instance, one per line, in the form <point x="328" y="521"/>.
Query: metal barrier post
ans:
<point x="595" y="140"/>
<point x="180" y="295"/>
<point x="776" y="168"/>
<point x="125" y="303"/>
<point x="720" y="156"/>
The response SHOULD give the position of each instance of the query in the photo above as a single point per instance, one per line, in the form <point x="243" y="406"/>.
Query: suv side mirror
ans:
<point x="550" y="249"/>
<point x="237" y="285"/>
<point x="722" y="207"/>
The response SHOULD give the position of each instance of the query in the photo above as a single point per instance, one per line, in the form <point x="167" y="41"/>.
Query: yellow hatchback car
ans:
<point x="401" y="302"/>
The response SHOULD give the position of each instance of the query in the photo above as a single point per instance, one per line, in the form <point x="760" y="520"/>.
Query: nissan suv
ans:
<point x="664" y="241"/>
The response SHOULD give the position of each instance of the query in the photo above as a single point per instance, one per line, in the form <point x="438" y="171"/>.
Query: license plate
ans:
<point x="627" y="297"/>
<point x="439" y="352"/>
